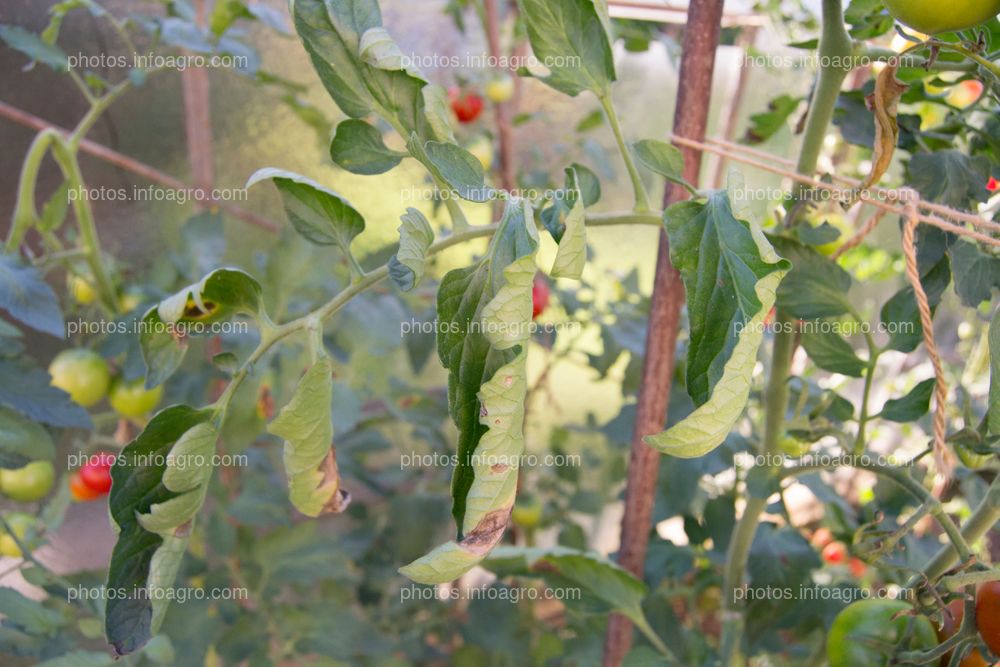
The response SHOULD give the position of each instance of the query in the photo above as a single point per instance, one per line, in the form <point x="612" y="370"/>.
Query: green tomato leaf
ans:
<point x="950" y="177"/>
<point x="977" y="273"/>
<point x="765" y="125"/>
<point x="722" y="260"/>
<point x="79" y="659"/>
<point x="22" y="440"/>
<point x="318" y="214"/>
<point x="220" y="295"/>
<point x="485" y="312"/>
<point x="27" y="389"/>
<point x="26" y="297"/>
<point x="730" y="274"/>
<point x="406" y="267"/>
<point x="815" y="287"/>
<point x="306" y="426"/>
<point x="456" y="167"/>
<point x="225" y="14"/>
<point x="900" y="313"/>
<point x="29" y="615"/>
<point x="143" y="560"/>
<point x="912" y="406"/>
<point x="609" y="582"/>
<point x="831" y="352"/>
<point x="358" y="147"/>
<point x="360" y="66"/>
<point x="571" y="38"/>
<point x="571" y="257"/>
<point x="663" y="159"/>
<point x="34" y="47"/>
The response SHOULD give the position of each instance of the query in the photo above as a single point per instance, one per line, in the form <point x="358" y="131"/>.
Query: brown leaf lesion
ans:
<point x="341" y="498"/>
<point x="488" y="532"/>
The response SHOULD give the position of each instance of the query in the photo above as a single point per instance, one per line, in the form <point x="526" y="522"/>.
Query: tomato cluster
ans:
<point x="86" y="377"/>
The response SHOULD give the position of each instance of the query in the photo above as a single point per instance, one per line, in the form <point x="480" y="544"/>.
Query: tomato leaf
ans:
<point x="912" y="406"/>
<point x="730" y="274"/>
<point x="358" y="147"/>
<point x="485" y="312"/>
<point x="361" y="68"/>
<point x="143" y="561"/>
<point x="571" y="37"/>
<point x="220" y="295"/>
<point x="900" y="313"/>
<point x="766" y="124"/>
<point x="306" y="427"/>
<point x="22" y="440"/>
<point x="26" y="297"/>
<point x="28" y="389"/>
<point x="34" y="47"/>
<point x="455" y="166"/>
<point x="406" y="267"/>
<point x="884" y="103"/>
<point x="831" y="352"/>
<point x="950" y="177"/>
<point x="571" y="257"/>
<point x="664" y="159"/>
<point x="320" y="215"/>
<point x="815" y="287"/>
<point x="977" y="273"/>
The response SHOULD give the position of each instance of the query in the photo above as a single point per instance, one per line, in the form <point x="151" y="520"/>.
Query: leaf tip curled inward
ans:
<point x="453" y="559"/>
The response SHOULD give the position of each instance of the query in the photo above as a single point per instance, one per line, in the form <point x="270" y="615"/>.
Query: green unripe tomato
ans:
<point x="82" y="374"/>
<point x="28" y="484"/>
<point x="935" y="16"/>
<point x="132" y="399"/>
<point x="859" y="630"/>
<point x="527" y="513"/>
<point x="19" y="523"/>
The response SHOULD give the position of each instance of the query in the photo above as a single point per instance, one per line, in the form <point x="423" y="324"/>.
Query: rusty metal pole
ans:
<point x="701" y="38"/>
<point x="198" y="116"/>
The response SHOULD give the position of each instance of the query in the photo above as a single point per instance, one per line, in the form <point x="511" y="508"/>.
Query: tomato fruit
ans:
<point x="527" y="513"/>
<point x="858" y="567"/>
<point x="82" y="374"/>
<point x="79" y="490"/>
<point x="965" y="93"/>
<point x="993" y="185"/>
<point x="835" y="553"/>
<point x="27" y="484"/>
<point x="822" y="537"/>
<point x="466" y="105"/>
<point x="132" y="399"/>
<point x="988" y="614"/>
<point x="934" y="16"/>
<point x="96" y="473"/>
<point x="539" y="296"/>
<point x="792" y="446"/>
<point x="19" y="523"/>
<point x="82" y="290"/>
<point x="949" y="626"/>
<point x="863" y="626"/>
<point x="500" y="89"/>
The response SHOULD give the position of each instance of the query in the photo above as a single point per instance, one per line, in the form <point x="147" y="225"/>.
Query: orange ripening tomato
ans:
<point x="79" y="489"/>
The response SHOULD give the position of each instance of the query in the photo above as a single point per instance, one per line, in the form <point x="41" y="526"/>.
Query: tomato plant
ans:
<point x="801" y="416"/>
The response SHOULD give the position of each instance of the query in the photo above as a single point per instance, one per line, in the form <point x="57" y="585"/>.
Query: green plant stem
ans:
<point x="89" y="240"/>
<point x="272" y="334"/>
<point x="835" y="50"/>
<point x="867" y="54"/>
<point x="992" y="67"/>
<point x="641" y="198"/>
<point x="874" y="351"/>
<point x="957" y="582"/>
<point x="25" y="212"/>
<point x="900" y="476"/>
<point x="983" y="519"/>
<point x="776" y="404"/>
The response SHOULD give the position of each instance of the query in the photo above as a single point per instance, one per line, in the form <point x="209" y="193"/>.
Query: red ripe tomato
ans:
<point x="96" y="473"/>
<point x="857" y="567"/>
<point x="993" y="185"/>
<point x="988" y="614"/>
<point x="79" y="489"/>
<point x="835" y="553"/>
<point x="466" y="105"/>
<point x="539" y="296"/>
<point x="950" y="623"/>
